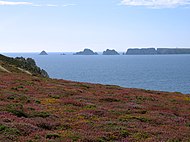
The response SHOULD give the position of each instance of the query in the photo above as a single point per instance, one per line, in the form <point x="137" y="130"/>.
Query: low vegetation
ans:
<point x="34" y="109"/>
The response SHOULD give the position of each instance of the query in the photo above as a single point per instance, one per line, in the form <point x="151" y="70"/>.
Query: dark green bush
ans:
<point x="17" y="109"/>
<point x="52" y="136"/>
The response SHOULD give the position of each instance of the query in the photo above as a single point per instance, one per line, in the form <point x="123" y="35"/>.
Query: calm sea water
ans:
<point x="154" y="72"/>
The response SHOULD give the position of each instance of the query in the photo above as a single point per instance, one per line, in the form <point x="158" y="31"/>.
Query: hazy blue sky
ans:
<point x="72" y="25"/>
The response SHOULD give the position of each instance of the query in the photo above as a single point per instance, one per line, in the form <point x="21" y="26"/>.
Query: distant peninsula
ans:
<point x="43" y="53"/>
<point x="173" y="51"/>
<point x="86" y="52"/>
<point x="158" y="51"/>
<point x="110" y="52"/>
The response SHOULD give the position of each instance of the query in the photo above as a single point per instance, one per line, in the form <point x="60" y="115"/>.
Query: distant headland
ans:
<point x="158" y="51"/>
<point x="110" y="52"/>
<point x="86" y="52"/>
<point x="131" y="51"/>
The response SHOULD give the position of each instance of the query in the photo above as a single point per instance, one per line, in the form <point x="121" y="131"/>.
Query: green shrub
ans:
<point x="52" y="136"/>
<point x="40" y="114"/>
<point x="55" y="96"/>
<point x="2" y="127"/>
<point x="124" y="133"/>
<point x="17" y="109"/>
<point x="141" y="136"/>
<point x="109" y="100"/>
<point x="8" y="130"/>
<point x="188" y="124"/>
<point x="90" y="107"/>
<point x="38" y="102"/>
<point x="131" y="117"/>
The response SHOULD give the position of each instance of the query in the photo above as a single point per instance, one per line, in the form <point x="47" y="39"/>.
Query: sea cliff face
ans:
<point x="34" y="108"/>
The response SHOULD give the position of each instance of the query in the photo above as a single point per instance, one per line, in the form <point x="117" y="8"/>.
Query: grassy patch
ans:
<point x="90" y="107"/>
<point x="64" y="127"/>
<point x="143" y="98"/>
<point x="124" y="133"/>
<point x="141" y="136"/>
<point x="2" y="127"/>
<point x="132" y="117"/>
<point x="71" y="135"/>
<point x="17" y="109"/>
<point x="8" y="131"/>
<point x="19" y="98"/>
<point x="109" y="100"/>
<point x="84" y="86"/>
<point x="188" y="124"/>
<point x="40" y="114"/>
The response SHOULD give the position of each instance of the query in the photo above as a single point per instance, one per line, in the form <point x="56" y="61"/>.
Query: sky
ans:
<point x="72" y="25"/>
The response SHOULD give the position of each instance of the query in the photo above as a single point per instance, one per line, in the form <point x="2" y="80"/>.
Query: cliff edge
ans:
<point x="20" y="64"/>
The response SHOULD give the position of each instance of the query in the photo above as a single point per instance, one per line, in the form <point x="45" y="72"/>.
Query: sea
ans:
<point x="151" y="72"/>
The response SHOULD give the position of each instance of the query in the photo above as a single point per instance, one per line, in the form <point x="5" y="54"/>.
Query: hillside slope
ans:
<point x="34" y="109"/>
<point x="21" y="64"/>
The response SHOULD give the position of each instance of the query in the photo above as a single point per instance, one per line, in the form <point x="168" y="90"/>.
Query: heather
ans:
<point x="36" y="109"/>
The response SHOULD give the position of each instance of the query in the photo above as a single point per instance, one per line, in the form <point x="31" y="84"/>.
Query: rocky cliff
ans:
<point x="86" y="52"/>
<point x="110" y="52"/>
<point x="21" y="64"/>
